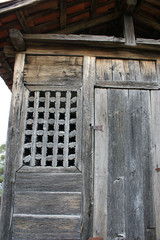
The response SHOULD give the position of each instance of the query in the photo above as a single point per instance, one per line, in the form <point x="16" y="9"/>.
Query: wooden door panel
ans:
<point x="123" y="152"/>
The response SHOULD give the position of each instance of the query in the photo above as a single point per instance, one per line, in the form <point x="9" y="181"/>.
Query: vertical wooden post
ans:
<point x="87" y="146"/>
<point x="13" y="150"/>
<point x="129" y="30"/>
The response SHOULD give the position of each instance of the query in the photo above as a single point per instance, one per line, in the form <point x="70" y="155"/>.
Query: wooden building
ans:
<point x="83" y="150"/>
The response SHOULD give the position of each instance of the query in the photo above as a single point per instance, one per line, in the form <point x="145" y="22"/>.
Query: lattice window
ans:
<point x="51" y="129"/>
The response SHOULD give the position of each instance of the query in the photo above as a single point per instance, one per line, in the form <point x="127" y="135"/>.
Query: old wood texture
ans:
<point x="155" y="99"/>
<point x="129" y="180"/>
<point x="56" y="227"/>
<point x="13" y="149"/>
<point x="101" y="165"/>
<point x="129" y="30"/>
<point x="127" y="73"/>
<point x="87" y="147"/>
<point x="17" y="40"/>
<point x="53" y="70"/>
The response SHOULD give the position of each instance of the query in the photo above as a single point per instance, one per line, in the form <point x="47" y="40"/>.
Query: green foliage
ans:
<point x="2" y="159"/>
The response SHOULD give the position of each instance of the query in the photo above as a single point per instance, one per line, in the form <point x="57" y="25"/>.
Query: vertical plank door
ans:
<point x="123" y="187"/>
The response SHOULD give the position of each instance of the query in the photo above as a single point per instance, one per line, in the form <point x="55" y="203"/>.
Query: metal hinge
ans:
<point x="97" y="127"/>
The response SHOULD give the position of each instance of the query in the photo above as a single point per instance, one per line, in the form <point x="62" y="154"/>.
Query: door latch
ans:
<point x="97" y="127"/>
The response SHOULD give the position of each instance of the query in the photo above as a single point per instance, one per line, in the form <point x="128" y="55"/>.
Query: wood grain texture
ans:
<point x="87" y="145"/>
<point x="71" y="182"/>
<point x="45" y="227"/>
<point x="155" y="100"/>
<point x="129" y="30"/>
<point x="101" y="165"/>
<point x="48" y="203"/>
<point x="133" y="72"/>
<point x="57" y="70"/>
<point x="13" y="149"/>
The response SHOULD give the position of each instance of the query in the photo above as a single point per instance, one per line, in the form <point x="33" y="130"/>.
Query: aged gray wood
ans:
<point x="129" y="30"/>
<point x="42" y="227"/>
<point x="45" y="128"/>
<point x="87" y="147"/>
<point x="78" y="160"/>
<point x="34" y="135"/>
<point x="66" y="135"/>
<point x="155" y="100"/>
<point x="71" y="182"/>
<point x="56" y="128"/>
<point x="47" y="203"/>
<point x="117" y="146"/>
<point x="101" y="165"/>
<point x="13" y="149"/>
<point x="57" y="70"/>
<point x="17" y="40"/>
<point x="132" y="73"/>
<point x="47" y="169"/>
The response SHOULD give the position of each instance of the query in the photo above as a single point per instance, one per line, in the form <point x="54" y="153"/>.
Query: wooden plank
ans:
<point x="49" y="182"/>
<point x="87" y="147"/>
<point x="48" y="203"/>
<point x="66" y="135"/>
<point x="23" y="21"/>
<point x="155" y="100"/>
<point x="45" y="227"/>
<point x="129" y="30"/>
<point x="63" y="14"/>
<point x="45" y="129"/>
<point x="48" y="169"/>
<point x="128" y="85"/>
<point x="17" y="40"/>
<point x="54" y="60"/>
<point x="13" y="148"/>
<point x="134" y="165"/>
<point x="101" y="165"/>
<point x="5" y="7"/>
<point x="34" y="131"/>
<point x="117" y="151"/>
<point x="56" y="129"/>
<point x="148" y="71"/>
<point x="127" y="6"/>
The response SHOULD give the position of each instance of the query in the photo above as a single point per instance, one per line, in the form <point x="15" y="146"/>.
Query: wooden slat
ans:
<point x="49" y="182"/>
<point x="155" y="100"/>
<point x="117" y="146"/>
<point x="129" y="30"/>
<point x="87" y="147"/>
<point x="45" y="227"/>
<point x="63" y="14"/>
<point x="66" y="134"/>
<point x="45" y="129"/>
<point x="23" y="21"/>
<point x="17" y="40"/>
<point x="101" y="165"/>
<point x="34" y="132"/>
<point x="12" y="148"/>
<point x="56" y="129"/>
<point x="47" y="203"/>
<point x="148" y="71"/>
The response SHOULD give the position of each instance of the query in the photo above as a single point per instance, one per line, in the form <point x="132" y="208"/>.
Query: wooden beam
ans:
<point x="90" y="23"/>
<point x="93" y="8"/>
<point x="150" y="22"/>
<point x="127" y="6"/>
<point x="129" y="30"/>
<point x="15" y="4"/>
<point x="17" y="40"/>
<point x="23" y="21"/>
<point x="63" y="16"/>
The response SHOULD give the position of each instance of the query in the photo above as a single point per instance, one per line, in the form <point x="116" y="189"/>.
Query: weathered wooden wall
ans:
<point x="113" y="189"/>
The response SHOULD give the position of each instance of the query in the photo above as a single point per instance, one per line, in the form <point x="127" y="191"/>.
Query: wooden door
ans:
<point x="123" y="180"/>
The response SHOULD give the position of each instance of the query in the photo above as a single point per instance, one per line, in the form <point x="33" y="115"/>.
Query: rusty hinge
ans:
<point x="157" y="169"/>
<point x="97" y="127"/>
